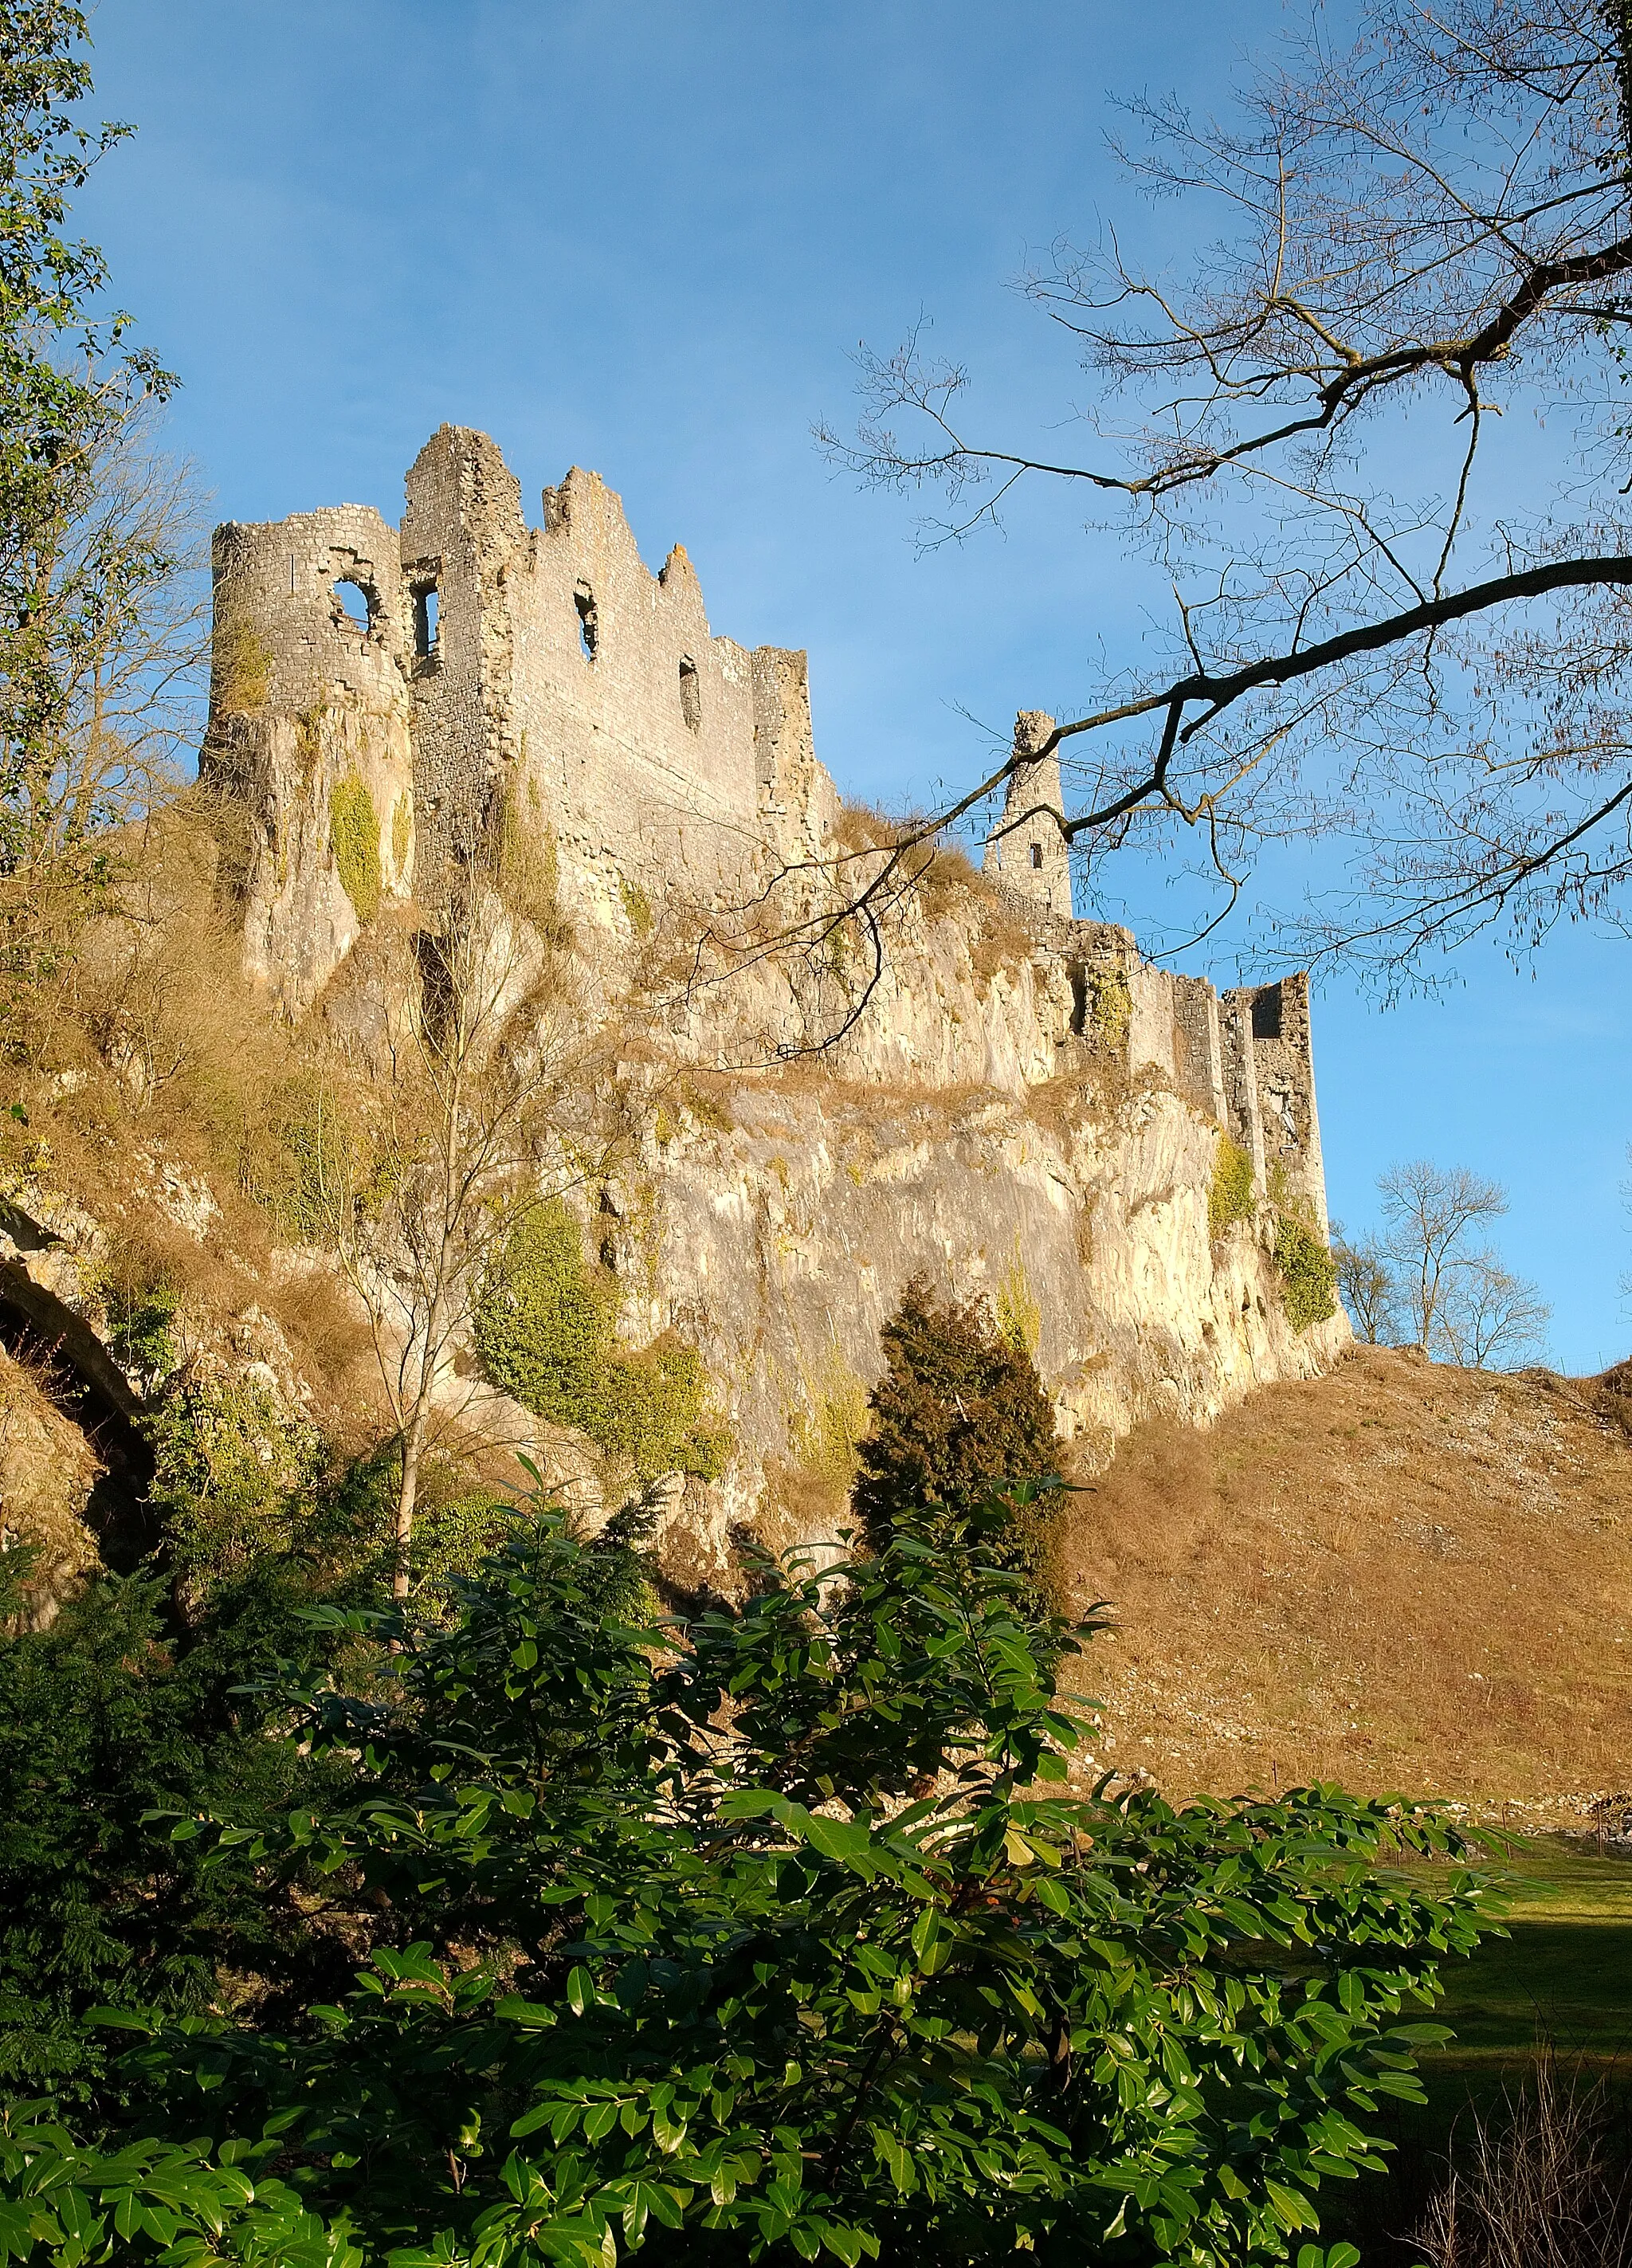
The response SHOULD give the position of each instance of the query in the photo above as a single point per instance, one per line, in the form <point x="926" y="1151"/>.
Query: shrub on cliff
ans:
<point x="959" y="1410"/>
<point x="1308" y="1273"/>
<point x="545" y="1327"/>
<point x="662" y="1945"/>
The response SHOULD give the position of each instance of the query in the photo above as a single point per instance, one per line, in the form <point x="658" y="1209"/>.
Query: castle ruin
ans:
<point x="429" y="681"/>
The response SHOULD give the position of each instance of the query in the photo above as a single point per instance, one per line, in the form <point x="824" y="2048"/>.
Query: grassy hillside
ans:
<point x="1400" y="1576"/>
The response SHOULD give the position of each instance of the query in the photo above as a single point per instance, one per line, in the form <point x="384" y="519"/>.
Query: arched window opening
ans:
<point x="691" y="694"/>
<point x="426" y="624"/>
<point x="354" y="606"/>
<point x="589" y="620"/>
<point x="1037" y="854"/>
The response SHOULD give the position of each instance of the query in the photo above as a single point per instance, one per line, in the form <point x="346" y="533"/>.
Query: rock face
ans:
<point x="1012" y="1102"/>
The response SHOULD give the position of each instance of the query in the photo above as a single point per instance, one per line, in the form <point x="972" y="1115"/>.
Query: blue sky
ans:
<point x="645" y="236"/>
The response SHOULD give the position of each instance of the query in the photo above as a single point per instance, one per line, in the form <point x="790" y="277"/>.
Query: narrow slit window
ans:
<point x="691" y="694"/>
<point x="426" y="624"/>
<point x="1037" y="854"/>
<point x="589" y="620"/>
<point x="352" y="609"/>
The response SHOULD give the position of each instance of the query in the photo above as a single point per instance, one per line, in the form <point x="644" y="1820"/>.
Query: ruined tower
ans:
<point x="379" y="695"/>
<point x="1026" y="850"/>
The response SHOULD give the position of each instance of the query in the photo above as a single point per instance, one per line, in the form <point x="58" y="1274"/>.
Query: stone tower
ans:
<point x="1027" y="851"/>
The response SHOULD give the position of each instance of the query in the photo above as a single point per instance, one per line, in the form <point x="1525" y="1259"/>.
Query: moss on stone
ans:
<point x="354" y="836"/>
<point x="401" y="834"/>
<point x="1110" y="1008"/>
<point x="636" y="905"/>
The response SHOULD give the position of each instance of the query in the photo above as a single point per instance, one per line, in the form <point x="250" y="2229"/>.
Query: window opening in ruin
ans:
<point x="1079" y="1000"/>
<point x="589" y="620"/>
<point x="691" y="694"/>
<point x="352" y="601"/>
<point x="425" y="622"/>
<point x="1037" y="854"/>
<point x="1266" y="1013"/>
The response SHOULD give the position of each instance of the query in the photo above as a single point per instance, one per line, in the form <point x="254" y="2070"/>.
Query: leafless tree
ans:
<point x="122" y="610"/>
<point x="1365" y="1281"/>
<point x="1491" y="1318"/>
<point x="1407" y="240"/>
<point x="481" y="1106"/>
<point x="1429" y="1284"/>
<point x="1428" y="1211"/>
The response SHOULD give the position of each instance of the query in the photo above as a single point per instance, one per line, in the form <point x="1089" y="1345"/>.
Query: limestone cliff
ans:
<point x="846" y="1064"/>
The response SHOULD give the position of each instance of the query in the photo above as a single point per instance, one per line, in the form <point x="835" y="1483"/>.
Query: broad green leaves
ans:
<point x="767" y="1936"/>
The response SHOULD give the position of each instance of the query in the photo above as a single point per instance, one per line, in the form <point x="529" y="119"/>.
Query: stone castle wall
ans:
<point x="545" y="673"/>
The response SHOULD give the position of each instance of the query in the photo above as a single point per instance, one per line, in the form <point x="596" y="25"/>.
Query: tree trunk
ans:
<point x="413" y="1444"/>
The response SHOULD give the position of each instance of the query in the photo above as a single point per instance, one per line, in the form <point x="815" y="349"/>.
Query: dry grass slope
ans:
<point x="1401" y="1576"/>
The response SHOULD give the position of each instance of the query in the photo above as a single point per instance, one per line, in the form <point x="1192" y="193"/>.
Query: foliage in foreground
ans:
<point x="767" y="1936"/>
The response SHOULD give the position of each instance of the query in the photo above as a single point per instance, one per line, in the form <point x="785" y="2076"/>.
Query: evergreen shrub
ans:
<point x="959" y="1410"/>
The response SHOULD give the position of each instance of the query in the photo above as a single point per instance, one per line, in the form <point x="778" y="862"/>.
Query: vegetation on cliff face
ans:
<point x="1233" y="1196"/>
<point x="1308" y="1273"/>
<point x="354" y="836"/>
<point x="545" y="1327"/>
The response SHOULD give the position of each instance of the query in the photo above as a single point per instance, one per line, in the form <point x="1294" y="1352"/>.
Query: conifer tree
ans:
<point x="959" y="1411"/>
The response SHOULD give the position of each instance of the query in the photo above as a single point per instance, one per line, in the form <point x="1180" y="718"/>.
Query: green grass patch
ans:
<point x="1564" y="1974"/>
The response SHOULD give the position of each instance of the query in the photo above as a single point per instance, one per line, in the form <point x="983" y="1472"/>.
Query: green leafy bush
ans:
<point x="112" y="1721"/>
<point x="663" y="1946"/>
<point x="1232" y="1197"/>
<point x="140" y="1326"/>
<point x="354" y="837"/>
<point x="235" y="1476"/>
<point x="545" y="1327"/>
<point x="1308" y="1273"/>
<point x="959" y="1407"/>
